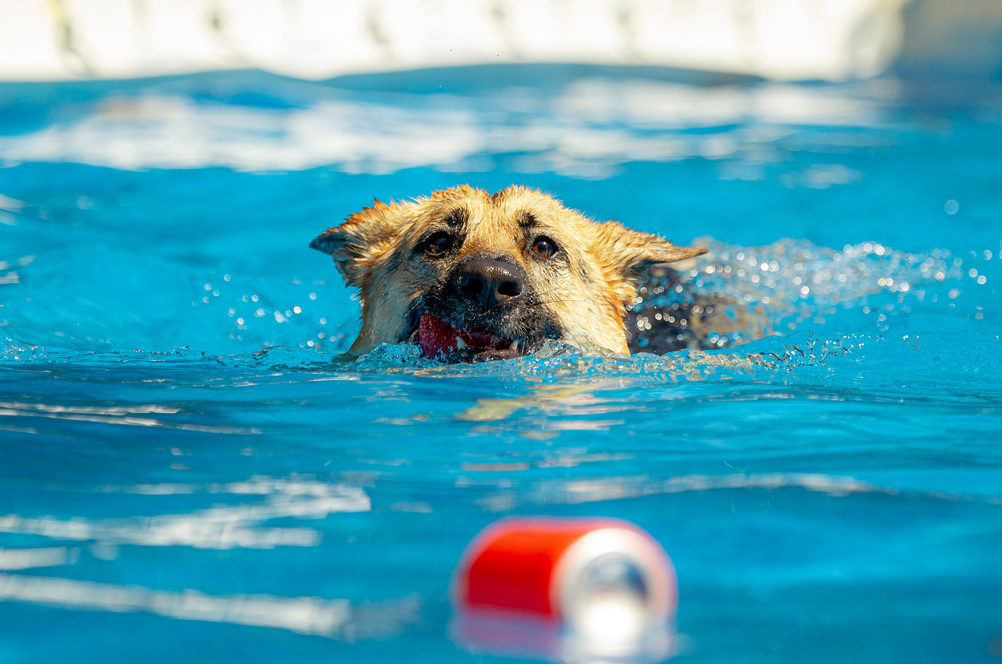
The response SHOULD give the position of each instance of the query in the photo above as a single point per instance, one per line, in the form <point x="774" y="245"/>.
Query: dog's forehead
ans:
<point x="508" y="216"/>
<point x="514" y="205"/>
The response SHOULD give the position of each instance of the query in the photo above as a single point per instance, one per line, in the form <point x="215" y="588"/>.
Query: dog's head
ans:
<point x="474" y="275"/>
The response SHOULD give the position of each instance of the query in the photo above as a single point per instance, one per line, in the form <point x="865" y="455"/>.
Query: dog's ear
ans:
<point x="632" y="253"/>
<point x="361" y="240"/>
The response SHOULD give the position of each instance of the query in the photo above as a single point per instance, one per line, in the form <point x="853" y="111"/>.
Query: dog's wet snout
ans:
<point x="490" y="281"/>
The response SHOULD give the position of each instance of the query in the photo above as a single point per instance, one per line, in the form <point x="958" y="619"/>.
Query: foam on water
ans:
<point x="576" y="129"/>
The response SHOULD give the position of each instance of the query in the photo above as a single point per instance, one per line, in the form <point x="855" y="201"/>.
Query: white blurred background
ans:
<point x="788" y="40"/>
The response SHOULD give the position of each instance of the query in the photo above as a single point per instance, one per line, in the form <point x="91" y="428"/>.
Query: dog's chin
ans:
<point x="438" y="338"/>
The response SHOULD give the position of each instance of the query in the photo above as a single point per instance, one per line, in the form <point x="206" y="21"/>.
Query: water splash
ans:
<point x="560" y="363"/>
<point x="19" y="352"/>
<point x="735" y="294"/>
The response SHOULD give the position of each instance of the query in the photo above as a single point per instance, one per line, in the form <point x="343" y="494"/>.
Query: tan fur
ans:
<point x="374" y="251"/>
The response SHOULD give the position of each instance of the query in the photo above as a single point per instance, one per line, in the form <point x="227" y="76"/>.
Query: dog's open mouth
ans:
<point x="439" y="339"/>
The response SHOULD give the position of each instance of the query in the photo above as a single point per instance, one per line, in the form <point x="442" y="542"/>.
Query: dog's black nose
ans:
<point x="490" y="281"/>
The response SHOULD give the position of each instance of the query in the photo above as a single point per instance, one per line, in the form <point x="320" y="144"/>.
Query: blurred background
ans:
<point x="570" y="86"/>
<point x="832" y="40"/>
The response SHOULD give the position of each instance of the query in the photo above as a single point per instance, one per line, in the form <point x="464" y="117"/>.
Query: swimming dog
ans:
<point x="472" y="276"/>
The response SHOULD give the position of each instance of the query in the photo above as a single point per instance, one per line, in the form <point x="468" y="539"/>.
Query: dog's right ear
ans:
<point x="361" y="240"/>
<point x="632" y="252"/>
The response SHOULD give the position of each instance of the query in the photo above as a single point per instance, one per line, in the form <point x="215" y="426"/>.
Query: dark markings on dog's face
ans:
<point x="516" y="264"/>
<point x="457" y="219"/>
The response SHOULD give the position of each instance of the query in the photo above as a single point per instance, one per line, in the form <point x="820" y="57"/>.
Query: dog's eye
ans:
<point x="544" y="246"/>
<point x="438" y="243"/>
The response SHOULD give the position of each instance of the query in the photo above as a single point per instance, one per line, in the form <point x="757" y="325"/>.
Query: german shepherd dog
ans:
<point x="472" y="276"/>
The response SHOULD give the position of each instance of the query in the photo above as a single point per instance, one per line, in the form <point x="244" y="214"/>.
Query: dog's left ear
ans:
<point x="362" y="239"/>
<point x="633" y="253"/>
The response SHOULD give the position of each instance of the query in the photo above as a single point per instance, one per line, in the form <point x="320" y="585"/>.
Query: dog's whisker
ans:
<point x="562" y="301"/>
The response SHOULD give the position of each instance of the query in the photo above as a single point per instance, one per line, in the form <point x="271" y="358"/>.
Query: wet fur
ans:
<point x="579" y="295"/>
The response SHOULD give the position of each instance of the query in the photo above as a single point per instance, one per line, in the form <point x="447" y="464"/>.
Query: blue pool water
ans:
<point x="189" y="473"/>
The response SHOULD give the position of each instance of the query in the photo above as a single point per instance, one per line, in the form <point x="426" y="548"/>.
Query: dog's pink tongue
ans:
<point x="436" y="336"/>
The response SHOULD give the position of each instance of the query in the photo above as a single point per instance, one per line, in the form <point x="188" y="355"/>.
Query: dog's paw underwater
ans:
<point x="472" y="276"/>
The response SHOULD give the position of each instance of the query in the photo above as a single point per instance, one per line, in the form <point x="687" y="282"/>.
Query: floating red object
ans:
<point x="602" y="580"/>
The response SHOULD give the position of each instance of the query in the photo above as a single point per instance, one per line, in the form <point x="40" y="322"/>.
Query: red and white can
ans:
<point x="602" y="580"/>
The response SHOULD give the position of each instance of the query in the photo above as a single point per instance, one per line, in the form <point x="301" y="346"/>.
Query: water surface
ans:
<point x="189" y="471"/>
